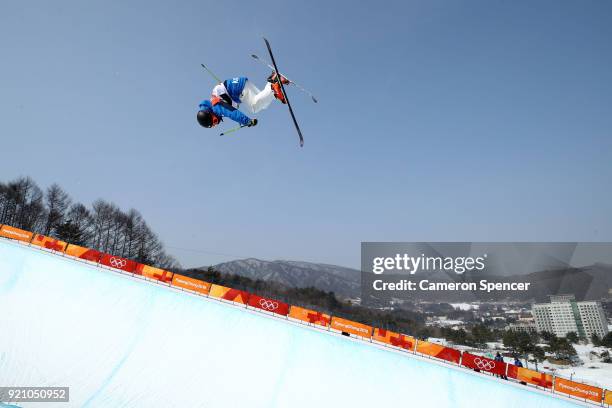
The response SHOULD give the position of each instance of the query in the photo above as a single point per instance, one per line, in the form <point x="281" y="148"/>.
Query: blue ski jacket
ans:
<point x="234" y="87"/>
<point x="224" y="110"/>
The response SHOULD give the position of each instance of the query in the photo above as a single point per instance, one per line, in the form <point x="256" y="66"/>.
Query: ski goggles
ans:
<point x="214" y="120"/>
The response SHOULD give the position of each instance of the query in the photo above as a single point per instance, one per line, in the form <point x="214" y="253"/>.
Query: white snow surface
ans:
<point x="593" y="371"/>
<point x="122" y="342"/>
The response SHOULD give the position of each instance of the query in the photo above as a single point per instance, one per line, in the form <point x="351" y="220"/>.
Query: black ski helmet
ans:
<point x="205" y="118"/>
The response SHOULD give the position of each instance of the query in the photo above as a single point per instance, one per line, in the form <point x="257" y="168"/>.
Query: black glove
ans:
<point x="253" y="122"/>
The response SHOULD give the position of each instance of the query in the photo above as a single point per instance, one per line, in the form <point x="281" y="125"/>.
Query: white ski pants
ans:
<point x="255" y="99"/>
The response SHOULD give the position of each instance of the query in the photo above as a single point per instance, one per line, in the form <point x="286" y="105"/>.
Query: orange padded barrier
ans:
<point x="608" y="398"/>
<point x="15" y="233"/>
<point x="483" y="364"/>
<point x="579" y="390"/>
<point x="117" y="262"/>
<point x="154" y="273"/>
<point x="234" y="295"/>
<point x="394" y="339"/>
<point x="530" y="376"/>
<point x="49" y="243"/>
<point x="186" y="282"/>
<point x="438" y="351"/>
<point x="83" y="253"/>
<point x="309" y="316"/>
<point x="349" y="326"/>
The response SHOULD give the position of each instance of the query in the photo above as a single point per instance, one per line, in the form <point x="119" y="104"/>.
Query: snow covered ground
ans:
<point x="445" y="323"/>
<point x="122" y="342"/>
<point x="592" y="372"/>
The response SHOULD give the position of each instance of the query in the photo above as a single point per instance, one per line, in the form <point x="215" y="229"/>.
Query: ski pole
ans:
<point x="298" y="86"/>
<point x="211" y="73"/>
<point x="233" y="130"/>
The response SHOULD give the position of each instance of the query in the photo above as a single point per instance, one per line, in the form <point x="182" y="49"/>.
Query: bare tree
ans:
<point x="58" y="202"/>
<point x="102" y="217"/>
<point x="5" y="203"/>
<point x="105" y="228"/>
<point x="76" y="228"/>
<point x="22" y="204"/>
<point x="10" y="201"/>
<point x="133" y="221"/>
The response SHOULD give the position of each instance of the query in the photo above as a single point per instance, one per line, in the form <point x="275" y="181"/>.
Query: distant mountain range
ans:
<point x="345" y="282"/>
<point x="586" y="283"/>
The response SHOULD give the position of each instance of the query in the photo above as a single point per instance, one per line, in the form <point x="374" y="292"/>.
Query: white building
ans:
<point x="593" y="318"/>
<point x="564" y="315"/>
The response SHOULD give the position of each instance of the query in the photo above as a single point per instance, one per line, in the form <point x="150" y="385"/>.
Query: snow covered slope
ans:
<point x="121" y="342"/>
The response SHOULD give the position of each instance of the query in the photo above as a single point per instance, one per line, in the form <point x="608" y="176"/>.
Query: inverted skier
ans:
<point x="229" y="94"/>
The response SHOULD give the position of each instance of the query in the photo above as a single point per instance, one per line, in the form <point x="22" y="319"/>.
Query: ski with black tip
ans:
<point x="297" y="127"/>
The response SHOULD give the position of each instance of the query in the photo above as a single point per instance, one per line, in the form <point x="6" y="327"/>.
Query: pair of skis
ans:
<point x="275" y="68"/>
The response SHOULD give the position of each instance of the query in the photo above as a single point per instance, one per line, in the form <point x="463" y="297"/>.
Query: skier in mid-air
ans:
<point x="229" y="94"/>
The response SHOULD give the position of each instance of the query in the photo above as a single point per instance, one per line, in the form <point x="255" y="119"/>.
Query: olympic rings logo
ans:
<point x="118" y="262"/>
<point x="486" y="365"/>
<point x="268" y="304"/>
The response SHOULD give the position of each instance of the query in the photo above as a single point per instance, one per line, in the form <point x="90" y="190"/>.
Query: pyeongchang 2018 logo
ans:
<point x="414" y="264"/>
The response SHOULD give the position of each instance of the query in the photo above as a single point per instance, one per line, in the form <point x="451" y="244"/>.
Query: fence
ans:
<point x="480" y="365"/>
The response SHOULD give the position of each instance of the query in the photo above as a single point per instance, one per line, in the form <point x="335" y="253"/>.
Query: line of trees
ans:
<point x="525" y="344"/>
<point x="104" y="226"/>
<point x="528" y="346"/>
<point x="310" y="297"/>
<point x="606" y="341"/>
<point x="477" y="337"/>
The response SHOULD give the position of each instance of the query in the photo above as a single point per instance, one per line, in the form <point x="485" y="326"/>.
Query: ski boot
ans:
<point x="275" y="82"/>
<point x="274" y="78"/>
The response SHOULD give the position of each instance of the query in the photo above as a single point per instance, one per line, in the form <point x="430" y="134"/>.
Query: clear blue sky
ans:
<point x="438" y="120"/>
